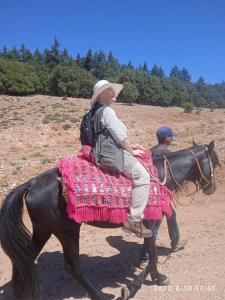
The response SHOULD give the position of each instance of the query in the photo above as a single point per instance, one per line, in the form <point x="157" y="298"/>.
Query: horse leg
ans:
<point x="157" y="278"/>
<point x="69" y="240"/>
<point x="40" y="237"/>
<point x="149" y="247"/>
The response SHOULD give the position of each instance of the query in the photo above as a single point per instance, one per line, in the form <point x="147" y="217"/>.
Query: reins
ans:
<point x="200" y="169"/>
<point x="167" y="165"/>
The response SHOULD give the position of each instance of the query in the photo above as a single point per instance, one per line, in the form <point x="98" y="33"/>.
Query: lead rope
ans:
<point x="152" y="176"/>
<point x="199" y="167"/>
<point x="180" y="186"/>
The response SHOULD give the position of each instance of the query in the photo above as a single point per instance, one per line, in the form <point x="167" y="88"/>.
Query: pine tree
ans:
<point x="101" y="57"/>
<point x="111" y="58"/>
<point x="52" y="56"/>
<point x="88" y="61"/>
<point x="55" y="49"/>
<point x="145" y="67"/>
<point x="185" y="76"/>
<point x="14" y="54"/>
<point x="157" y="71"/>
<point x="37" y="57"/>
<point x="78" y="60"/>
<point x="5" y="53"/>
<point x="201" y="80"/>
<point x="25" y="54"/>
<point x="65" y="58"/>
<point x="175" y="73"/>
<point x="129" y="65"/>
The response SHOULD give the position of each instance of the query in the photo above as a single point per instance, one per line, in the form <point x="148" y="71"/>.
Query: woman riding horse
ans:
<point x="47" y="209"/>
<point x="113" y="152"/>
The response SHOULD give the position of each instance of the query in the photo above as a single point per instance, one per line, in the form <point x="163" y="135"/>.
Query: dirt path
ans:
<point x="33" y="139"/>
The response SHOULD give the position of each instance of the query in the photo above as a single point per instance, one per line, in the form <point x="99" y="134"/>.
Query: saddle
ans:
<point x="93" y="194"/>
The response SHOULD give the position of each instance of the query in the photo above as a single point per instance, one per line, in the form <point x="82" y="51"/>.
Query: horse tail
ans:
<point x="17" y="243"/>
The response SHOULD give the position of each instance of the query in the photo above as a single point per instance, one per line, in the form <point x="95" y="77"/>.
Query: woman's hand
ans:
<point x="138" y="152"/>
<point x="137" y="146"/>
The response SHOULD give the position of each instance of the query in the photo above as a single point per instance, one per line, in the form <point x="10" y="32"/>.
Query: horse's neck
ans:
<point x="180" y="167"/>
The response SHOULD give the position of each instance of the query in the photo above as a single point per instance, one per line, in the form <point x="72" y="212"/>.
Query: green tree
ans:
<point x="99" y="65"/>
<point x="201" y="80"/>
<point x="52" y="56"/>
<point x="4" y="53"/>
<point x="43" y="75"/>
<point x="130" y="66"/>
<point x="145" y="67"/>
<point x="129" y="92"/>
<point x="14" y="54"/>
<point x="65" y="58"/>
<point x="88" y="61"/>
<point x="37" y="57"/>
<point x="25" y="54"/>
<point x="71" y="81"/>
<point x="157" y="71"/>
<point x="127" y="75"/>
<point x="79" y="60"/>
<point x="185" y="76"/>
<point x="175" y="73"/>
<point x="18" y="78"/>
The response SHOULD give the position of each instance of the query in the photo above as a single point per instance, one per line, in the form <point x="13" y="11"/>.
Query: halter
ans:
<point x="208" y="182"/>
<point x="212" y="179"/>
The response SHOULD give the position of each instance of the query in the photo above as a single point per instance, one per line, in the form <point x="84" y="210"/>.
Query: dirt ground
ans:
<point x="36" y="131"/>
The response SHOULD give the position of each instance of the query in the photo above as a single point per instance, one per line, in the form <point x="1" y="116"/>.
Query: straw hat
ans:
<point x="102" y="85"/>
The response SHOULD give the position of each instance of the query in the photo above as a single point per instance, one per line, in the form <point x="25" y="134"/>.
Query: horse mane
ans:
<point x="173" y="154"/>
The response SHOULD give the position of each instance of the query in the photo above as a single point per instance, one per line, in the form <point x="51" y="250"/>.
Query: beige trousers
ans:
<point x="136" y="172"/>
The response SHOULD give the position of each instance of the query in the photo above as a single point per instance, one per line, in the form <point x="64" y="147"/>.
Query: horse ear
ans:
<point x="194" y="143"/>
<point x="211" y="146"/>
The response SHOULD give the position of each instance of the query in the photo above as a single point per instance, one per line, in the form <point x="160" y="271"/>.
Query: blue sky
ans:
<point x="188" y="33"/>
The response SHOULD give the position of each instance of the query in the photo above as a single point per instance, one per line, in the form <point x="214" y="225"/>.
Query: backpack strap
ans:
<point x="97" y="121"/>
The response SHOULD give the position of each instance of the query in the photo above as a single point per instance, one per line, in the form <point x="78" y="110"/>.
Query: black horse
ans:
<point x="47" y="210"/>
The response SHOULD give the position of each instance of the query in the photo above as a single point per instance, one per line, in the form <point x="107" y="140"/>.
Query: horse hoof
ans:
<point x="125" y="293"/>
<point x="162" y="280"/>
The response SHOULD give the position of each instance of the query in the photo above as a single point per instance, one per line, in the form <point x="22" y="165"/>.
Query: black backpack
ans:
<point x="87" y="133"/>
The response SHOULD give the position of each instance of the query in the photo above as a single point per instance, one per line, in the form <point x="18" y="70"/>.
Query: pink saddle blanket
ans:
<point x="96" y="195"/>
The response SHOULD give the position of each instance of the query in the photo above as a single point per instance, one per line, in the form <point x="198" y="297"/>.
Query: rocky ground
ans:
<point x="36" y="131"/>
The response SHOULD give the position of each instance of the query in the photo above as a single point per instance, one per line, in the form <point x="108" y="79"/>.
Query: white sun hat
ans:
<point x="102" y="85"/>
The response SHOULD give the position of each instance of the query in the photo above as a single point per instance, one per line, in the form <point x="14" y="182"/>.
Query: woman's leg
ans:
<point x="136" y="172"/>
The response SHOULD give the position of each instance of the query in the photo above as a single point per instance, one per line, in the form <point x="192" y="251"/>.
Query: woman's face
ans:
<point x="107" y="96"/>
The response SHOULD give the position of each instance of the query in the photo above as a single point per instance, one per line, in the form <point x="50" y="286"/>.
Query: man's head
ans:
<point x="165" y="135"/>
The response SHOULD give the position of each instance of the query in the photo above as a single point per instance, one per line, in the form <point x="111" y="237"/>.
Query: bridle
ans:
<point x="212" y="178"/>
<point x="197" y="183"/>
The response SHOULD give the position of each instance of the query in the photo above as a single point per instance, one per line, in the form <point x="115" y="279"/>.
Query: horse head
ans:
<point x="206" y="160"/>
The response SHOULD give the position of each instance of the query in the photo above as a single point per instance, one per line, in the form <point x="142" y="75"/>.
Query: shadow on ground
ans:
<point x="111" y="272"/>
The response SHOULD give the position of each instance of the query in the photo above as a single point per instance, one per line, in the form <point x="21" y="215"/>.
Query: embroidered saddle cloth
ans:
<point x="96" y="195"/>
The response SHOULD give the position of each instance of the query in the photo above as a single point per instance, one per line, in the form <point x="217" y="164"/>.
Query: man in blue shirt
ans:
<point x="165" y="137"/>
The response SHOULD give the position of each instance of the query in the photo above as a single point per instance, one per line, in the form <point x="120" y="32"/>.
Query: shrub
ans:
<point x="212" y="106"/>
<point x="18" y="78"/>
<point x="66" y="126"/>
<point x="188" y="106"/>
